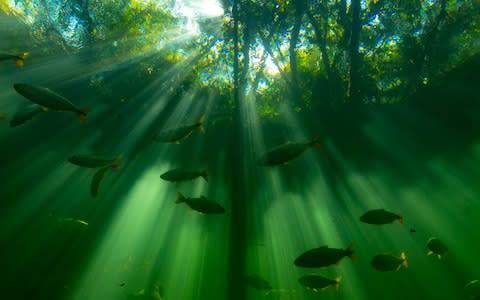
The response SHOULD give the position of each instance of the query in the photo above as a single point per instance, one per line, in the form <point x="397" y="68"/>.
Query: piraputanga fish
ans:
<point x="25" y="114"/>
<point x="74" y="221"/>
<point x="317" y="282"/>
<point x="323" y="257"/>
<point x="389" y="263"/>
<point x="258" y="283"/>
<point x="90" y="161"/>
<point x="286" y="152"/>
<point x="69" y="226"/>
<point x="174" y="135"/>
<point x="151" y="293"/>
<point x="49" y="99"/>
<point x="97" y="179"/>
<point x="19" y="59"/>
<point x="380" y="217"/>
<point x="201" y="204"/>
<point x="437" y="247"/>
<point x="179" y="175"/>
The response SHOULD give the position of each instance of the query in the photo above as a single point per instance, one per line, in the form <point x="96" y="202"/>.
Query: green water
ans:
<point x="417" y="155"/>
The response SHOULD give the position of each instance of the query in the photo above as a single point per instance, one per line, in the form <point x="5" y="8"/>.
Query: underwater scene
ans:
<point x="239" y="149"/>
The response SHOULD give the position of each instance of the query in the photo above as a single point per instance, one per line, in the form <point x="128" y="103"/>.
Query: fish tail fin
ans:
<point x="315" y="142"/>
<point x="337" y="285"/>
<point x="180" y="198"/>
<point x="19" y="62"/>
<point x="117" y="162"/>
<point x="82" y="115"/>
<point x="405" y="261"/>
<point x="400" y="218"/>
<point x="200" y="122"/>
<point x="205" y="175"/>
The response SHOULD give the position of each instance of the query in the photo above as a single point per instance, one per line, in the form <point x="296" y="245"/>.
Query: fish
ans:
<point x="261" y="284"/>
<point x="152" y="293"/>
<point x="472" y="289"/>
<point x="179" y="175"/>
<point x="380" y="217"/>
<point x="258" y="283"/>
<point x="437" y="247"/>
<point x="317" y="282"/>
<point x="67" y="226"/>
<point x="25" y="114"/>
<point x="412" y="230"/>
<point x="19" y="59"/>
<point x="201" y="204"/>
<point x="388" y="262"/>
<point x="286" y="152"/>
<point x="97" y="179"/>
<point x="73" y="221"/>
<point x="91" y="161"/>
<point x="4" y="116"/>
<point x="49" y="99"/>
<point x="323" y="257"/>
<point x="174" y="135"/>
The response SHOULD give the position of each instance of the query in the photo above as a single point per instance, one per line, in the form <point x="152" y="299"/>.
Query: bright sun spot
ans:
<point x="197" y="9"/>
<point x="270" y="66"/>
<point x="205" y="8"/>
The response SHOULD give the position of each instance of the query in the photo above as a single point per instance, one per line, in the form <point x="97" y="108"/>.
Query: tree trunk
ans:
<point x="321" y="42"/>
<point x="298" y="6"/>
<point x="413" y="84"/>
<point x="246" y="51"/>
<point x="354" y="90"/>
<point x="88" y="21"/>
<point x="237" y="248"/>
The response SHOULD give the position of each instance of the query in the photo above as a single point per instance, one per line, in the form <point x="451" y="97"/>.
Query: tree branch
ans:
<point x="298" y="6"/>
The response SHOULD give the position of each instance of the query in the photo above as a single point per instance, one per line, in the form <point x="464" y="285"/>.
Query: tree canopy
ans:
<point x="311" y="52"/>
